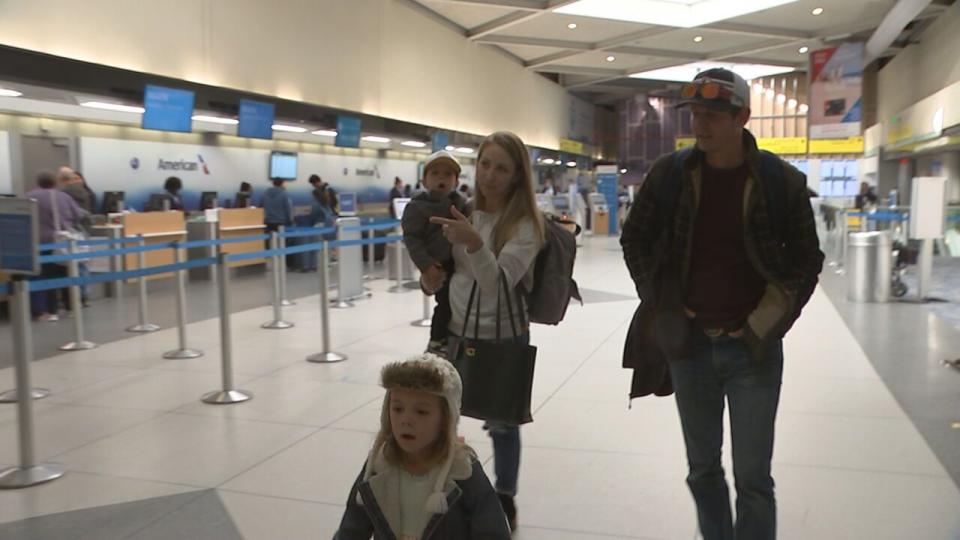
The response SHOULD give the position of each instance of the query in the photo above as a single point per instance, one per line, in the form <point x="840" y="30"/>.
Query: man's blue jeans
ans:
<point x="720" y="370"/>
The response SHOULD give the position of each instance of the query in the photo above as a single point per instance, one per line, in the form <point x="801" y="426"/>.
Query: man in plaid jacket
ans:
<point x="723" y="274"/>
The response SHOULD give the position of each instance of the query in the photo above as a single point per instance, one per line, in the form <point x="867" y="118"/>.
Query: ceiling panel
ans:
<point x="529" y="52"/>
<point x="682" y="40"/>
<point x="798" y="16"/>
<point x="589" y="30"/>
<point x="789" y="54"/>
<point x="466" y="15"/>
<point x="597" y="59"/>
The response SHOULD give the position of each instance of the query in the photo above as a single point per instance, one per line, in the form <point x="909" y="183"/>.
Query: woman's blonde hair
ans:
<point x="438" y="451"/>
<point x="521" y="204"/>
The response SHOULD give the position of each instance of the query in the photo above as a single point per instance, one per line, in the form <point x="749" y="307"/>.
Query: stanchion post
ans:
<point x="398" y="268"/>
<point x="143" y="325"/>
<point x="228" y="395"/>
<point x="182" y="352"/>
<point x="841" y="256"/>
<point x="79" y="343"/>
<point x="326" y="356"/>
<point x="284" y="301"/>
<point x="277" y="323"/>
<point x="28" y="473"/>
<point x="426" y="321"/>
<point x="371" y="253"/>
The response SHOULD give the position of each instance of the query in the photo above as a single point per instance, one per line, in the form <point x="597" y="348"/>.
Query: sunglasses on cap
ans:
<point x="707" y="89"/>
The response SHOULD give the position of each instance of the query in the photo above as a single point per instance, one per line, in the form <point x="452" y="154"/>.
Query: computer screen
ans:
<point x="156" y="202"/>
<point x="111" y="202"/>
<point x="283" y="165"/>
<point x="561" y="203"/>
<point x="167" y="109"/>
<point x="348" y="204"/>
<point x="208" y="200"/>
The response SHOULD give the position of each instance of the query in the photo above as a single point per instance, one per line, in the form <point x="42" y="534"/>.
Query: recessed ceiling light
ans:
<point x="216" y="119"/>
<point x="675" y="13"/>
<point x="4" y="92"/>
<point x="449" y="148"/>
<point x="611" y="58"/>
<point x="803" y="108"/>
<point x="792" y="103"/>
<point x="687" y="72"/>
<point x="770" y="93"/>
<point x="289" y="129"/>
<point x="757" y="88"/>
<point x="547" y="161"/>
<point x="623" y="171"/>
<point x="112" y="107"/>
<point x="571" y="164"/>
<point x="804" y="50"/>
<point x="325" y="133"/>
<point x="817" y="11"/>
<point x="374" y="138"/>
<point x="463" y="150"/>
<point x="781" y="98"/>
<point x="698" y="39"/>
<point x="572" y="26"/>
<point x="414" y="144"/>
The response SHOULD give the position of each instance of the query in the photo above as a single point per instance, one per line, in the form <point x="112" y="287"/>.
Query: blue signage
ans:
<point x="167" y="109"/>
<point x="19" y="236"/>
<point x="348" y="204"/>
<point x="607" y="185"/>
<point x="256" y="119"/>
<point x="348" y="132"/>
<point x="440" y="140"/>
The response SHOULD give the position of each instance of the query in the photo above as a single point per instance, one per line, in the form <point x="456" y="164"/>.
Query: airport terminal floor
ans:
<point x="861" y="452"/>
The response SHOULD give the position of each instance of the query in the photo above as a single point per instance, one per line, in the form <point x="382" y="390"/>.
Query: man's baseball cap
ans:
<point x="441" y="156"/>
<point x="717" y="88"/>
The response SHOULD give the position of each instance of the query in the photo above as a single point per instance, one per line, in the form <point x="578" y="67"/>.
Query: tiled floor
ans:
<point x="147" y="459"/>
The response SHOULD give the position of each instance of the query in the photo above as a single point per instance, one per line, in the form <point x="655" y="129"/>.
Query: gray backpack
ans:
<point x="553" y="284"/>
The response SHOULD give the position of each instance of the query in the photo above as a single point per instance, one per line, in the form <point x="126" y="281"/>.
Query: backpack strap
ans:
<point x="775" y="193"/>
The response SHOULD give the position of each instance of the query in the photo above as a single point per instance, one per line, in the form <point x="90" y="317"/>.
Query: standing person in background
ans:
<point x="172" y="186"/>
<point x="395" y="193"/>
<point x="68" y="215"/>
<point x="92" y="194"/>
<point x="548" y="186"/>
<point x="277" y="207"/>
<point x="72" y="185"/>
<point x="316" y="182"/>
<point x="407" y="191"/>
<point x="504" y="234"/>
<point x="244" y="196"/>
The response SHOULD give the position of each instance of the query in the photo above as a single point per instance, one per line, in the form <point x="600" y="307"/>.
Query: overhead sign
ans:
<point x="167" y="109"/>
<point x="783" y="145"/>
<point x="836" y="88"/>
<point x="850" y="145"/>
<point x="256" y="119"/>
<point x="19" y="236"/>
<point x="571" y="147"/>
<point x="439" y="141"/>
<point x="348" y="132"/>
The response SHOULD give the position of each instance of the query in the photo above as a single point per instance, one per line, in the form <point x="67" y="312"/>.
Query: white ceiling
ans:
<point x="536" y="37"/>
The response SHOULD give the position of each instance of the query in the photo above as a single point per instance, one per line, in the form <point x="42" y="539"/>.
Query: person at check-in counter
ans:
<point x="277" y="207"/>
<point x="172" y="186"/>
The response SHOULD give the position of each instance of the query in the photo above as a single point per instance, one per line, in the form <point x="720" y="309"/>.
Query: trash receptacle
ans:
<point x="868" y="266"/>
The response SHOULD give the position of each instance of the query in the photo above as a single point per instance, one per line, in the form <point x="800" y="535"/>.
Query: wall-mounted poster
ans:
<point x="836" y="87"/>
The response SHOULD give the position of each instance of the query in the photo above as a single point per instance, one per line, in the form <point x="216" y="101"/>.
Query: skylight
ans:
<point x="678" y="13"/>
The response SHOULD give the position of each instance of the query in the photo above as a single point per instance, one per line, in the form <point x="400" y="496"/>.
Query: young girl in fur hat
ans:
<point x="419" y="481"/>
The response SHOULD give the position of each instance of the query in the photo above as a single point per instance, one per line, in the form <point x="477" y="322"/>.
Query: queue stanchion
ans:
<point x="28" y="472"/>
<point x="143" y="326"/>
<point x="228" y="394"/>
<point x="371" y="253"/>
<point x="183" y="352"/>
<point x="326" y="356"/>
<point x="79" y="343"/>
<point x="427" y="320"/>
<point x="282" y="242"/>
<point x="277" y="323"/>
<point x="398" y="268"/>
<point x="842" y="252"/>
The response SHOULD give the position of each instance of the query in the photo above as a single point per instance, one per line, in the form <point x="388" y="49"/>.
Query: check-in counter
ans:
<point x="225" y="223"/>
<point x="156" y="228"/>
